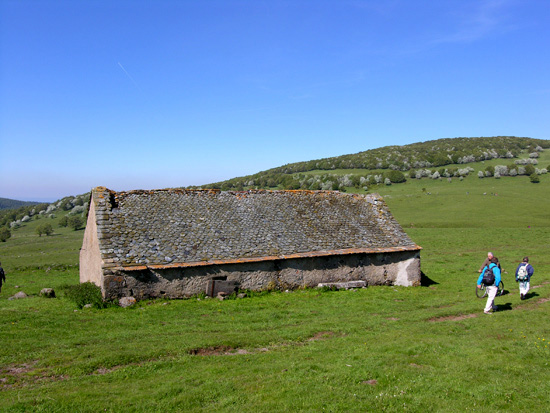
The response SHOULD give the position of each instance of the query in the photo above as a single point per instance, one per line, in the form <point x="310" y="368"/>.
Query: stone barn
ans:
<point x="176" y="243"/>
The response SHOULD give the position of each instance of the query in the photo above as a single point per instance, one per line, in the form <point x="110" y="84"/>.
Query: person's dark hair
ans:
<point x="494" y="260"/>
<point x="525" y="259"/>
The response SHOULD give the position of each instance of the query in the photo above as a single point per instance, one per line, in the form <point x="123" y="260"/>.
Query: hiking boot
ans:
<point x="487" y="312"/>
<point x="522" y="297"/>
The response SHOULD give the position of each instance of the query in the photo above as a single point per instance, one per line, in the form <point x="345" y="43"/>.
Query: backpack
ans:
<point x="522" y="273"/>
<point x="488" y="277"/>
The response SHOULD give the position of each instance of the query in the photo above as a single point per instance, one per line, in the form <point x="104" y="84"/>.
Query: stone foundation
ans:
<point x="390" y="268"/>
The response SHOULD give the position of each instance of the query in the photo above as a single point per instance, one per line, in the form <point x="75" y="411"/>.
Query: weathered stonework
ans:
<point x="172" y="242"/>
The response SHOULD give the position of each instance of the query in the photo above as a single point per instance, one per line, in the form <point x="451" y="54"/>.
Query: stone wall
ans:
<point x="392" y="268"/>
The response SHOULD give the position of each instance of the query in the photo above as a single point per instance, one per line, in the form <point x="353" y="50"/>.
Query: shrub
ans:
<point x="75" y="222"/>
<point x="79" y="209"/>
<point x="395" y="176"/>
<point x="45" y="228"/>
<point x="502" y="170"/>
<point x="480" y="174"/>
<point x="5" y="233"/>
<point x="465" y="171"/>
<point x="534" y="178"/>
<point x="85" y="293"/>
<point x="529" y="169"/>
<point x="64" y="221"/>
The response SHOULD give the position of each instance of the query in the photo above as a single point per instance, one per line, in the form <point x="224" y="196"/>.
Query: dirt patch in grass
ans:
<point x="23" y="374"/>
<point x="321" y="335"/>
<point x="536" y="303"/>
<point x="218" y="351"/>
<point x="452" y="318"/>
<point x="103" y="370"/>
<point x="234" y="351"/>
<point x="19" y="369"/>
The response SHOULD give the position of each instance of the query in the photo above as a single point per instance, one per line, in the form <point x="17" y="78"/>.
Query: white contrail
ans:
<point x="129" y="77"/>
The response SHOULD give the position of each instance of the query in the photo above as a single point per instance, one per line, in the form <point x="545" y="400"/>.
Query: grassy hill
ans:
<point x="396" y="163"/>
<point x="429" y="348"/>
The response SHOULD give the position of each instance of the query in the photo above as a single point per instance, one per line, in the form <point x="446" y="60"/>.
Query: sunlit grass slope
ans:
<point x="428" y="348"/>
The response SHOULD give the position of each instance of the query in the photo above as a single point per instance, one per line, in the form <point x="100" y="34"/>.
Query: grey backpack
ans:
<point x="522" y="273"/>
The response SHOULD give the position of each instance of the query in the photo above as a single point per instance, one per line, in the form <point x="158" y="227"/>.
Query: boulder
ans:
<point x="127" y="302"/>
<point x="18" y="295"/>
<point x="47" y="292"/>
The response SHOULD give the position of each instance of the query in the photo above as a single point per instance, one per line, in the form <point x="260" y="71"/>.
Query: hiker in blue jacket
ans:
<point x="524" y="272"/>
<point x="492" y="288"/>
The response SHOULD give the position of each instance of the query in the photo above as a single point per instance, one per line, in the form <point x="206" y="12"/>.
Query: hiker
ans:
<point x="524" y="272"/>
<point x="487" y="261"/>
<point x="490" y="276"/>
<point x="2" y="276"/>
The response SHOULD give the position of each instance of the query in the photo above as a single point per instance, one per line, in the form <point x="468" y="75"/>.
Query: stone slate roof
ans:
<point x="178" y="227"/>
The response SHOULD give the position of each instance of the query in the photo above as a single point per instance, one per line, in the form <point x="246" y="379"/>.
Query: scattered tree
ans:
<point x="395" y="176"/>
<point x="5" y="233"/>
<point x="45" y="228"/>
<point x="64" y="221"/>
<point x="534" y="178"/>
<point x="75" y="222"/>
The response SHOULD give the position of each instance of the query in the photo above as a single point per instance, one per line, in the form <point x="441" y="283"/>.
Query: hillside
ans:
<point x="395" y="163"/>
<point x="375" y="349"/>
<point x="6" y="203"/>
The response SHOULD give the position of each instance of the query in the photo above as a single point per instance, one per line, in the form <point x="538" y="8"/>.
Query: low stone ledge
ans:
<point x="345" y="285"/>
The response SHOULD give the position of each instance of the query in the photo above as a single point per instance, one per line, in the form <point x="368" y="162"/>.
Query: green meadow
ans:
<point x="427" y="348"/>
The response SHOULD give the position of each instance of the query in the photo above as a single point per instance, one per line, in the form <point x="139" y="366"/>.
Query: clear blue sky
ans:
<point x="156" y="94"/>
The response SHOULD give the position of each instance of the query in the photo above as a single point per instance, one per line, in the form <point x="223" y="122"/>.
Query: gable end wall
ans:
<point x="91" y="264"/>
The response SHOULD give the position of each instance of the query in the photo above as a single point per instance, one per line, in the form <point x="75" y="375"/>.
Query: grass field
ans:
<point x="428" y="348"/>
